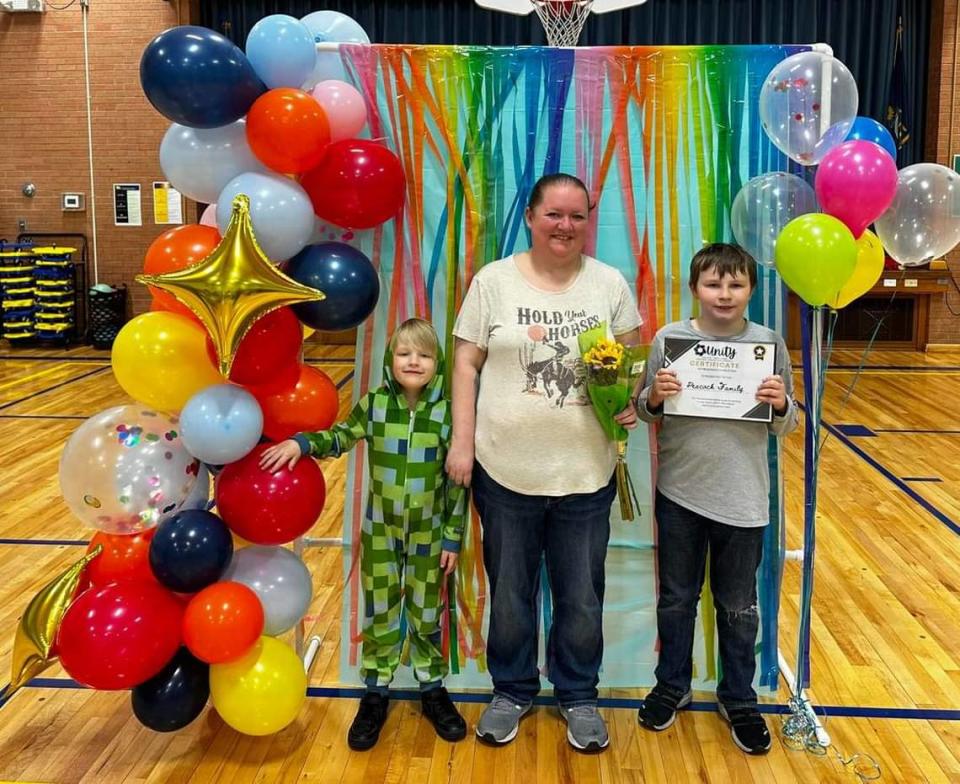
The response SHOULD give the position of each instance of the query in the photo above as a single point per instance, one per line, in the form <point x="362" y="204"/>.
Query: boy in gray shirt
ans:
<point x="712" y="489"/>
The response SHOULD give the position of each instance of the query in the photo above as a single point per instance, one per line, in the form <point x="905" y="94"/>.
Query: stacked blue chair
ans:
<point x="17" y="299"/>
<point x="55" y="293"/>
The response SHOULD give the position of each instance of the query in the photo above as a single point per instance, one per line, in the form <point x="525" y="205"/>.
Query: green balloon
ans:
<point x="816" y="255"/>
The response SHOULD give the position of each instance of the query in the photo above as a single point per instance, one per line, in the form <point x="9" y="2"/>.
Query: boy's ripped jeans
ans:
<point x="683" y="539"/>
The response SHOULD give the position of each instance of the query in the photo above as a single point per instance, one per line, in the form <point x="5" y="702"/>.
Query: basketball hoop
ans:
<point x="562" y="19"/>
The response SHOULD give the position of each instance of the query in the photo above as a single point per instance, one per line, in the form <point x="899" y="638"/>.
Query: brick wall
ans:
<point x="43" y="127"/>
<point x="43" y="135"/>
<point x="942" y="142"/>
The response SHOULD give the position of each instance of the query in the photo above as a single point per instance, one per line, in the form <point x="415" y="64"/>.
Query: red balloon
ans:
<point x="222" y="622"/>
<point x="266" y="508"/>
<point x="124" y="559"/>
<point x="272" y="343"/>
<point x="358" y="184"/>
<point x="288" y="130"/>
<point x="119" y="635"/>
<point x="309" y="405"/>
<point x="175" y="250"/>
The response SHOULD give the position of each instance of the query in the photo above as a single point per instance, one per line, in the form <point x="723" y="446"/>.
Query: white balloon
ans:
<point x="279" y="578"/>
<point x="199" y="162"/>
<point x="280" y="211"/>
<point x="333" y="27"/>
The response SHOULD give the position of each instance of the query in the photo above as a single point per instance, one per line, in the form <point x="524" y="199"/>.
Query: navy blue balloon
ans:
<point x="190" y="550"/>
<point x="175" y="696"/>
<point x="345" y="275"/>
<point x="866" y="129"/>
<point x="196" y="77"/>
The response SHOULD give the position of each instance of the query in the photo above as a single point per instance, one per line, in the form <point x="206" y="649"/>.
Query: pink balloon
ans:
<point x="856" y="182"/>
<point x="209" y="217"/>
<point x="344" y="106"/>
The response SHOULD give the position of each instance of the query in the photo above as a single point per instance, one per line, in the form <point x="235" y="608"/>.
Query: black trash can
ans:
<point x="107" y="307"/>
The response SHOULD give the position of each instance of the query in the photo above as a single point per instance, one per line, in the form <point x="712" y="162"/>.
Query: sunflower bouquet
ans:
<point x="612" y="371"/>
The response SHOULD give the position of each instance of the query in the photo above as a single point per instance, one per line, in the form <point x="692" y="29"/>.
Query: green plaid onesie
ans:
<point x="413" y="511"/>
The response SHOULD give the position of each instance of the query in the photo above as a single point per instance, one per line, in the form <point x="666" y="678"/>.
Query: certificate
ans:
<point x="719" y="379"/>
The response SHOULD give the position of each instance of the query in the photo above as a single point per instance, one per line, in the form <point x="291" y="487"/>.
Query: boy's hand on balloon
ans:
<point x="286" y="454"/>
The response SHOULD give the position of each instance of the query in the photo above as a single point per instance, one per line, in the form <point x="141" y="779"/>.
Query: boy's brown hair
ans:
<point x="727" y="259"/>
<point x="418" y="334"/>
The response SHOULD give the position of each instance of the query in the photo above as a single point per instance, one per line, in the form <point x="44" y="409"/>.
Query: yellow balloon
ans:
<point x="33" y="642"/>
<point x="233" y="286"/>
<point x="869" y="268"/>
<point x="160" y="359"/>
<point x="261" y="692"/>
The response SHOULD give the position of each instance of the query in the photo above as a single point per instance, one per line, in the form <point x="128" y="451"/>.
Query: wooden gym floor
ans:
<point x="886" y="625"/>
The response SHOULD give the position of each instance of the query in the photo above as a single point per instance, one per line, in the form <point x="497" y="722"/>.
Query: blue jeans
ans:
<point x="572" y="533"/>
<point x="683" y="536"/>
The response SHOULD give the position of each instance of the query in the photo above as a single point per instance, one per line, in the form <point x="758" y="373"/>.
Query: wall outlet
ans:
<point x="21" y="225"/>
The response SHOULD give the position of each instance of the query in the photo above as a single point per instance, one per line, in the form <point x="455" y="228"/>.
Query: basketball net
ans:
<point x="562" y="19"/>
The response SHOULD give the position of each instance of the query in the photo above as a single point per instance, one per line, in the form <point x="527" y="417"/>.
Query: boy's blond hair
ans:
<point x="417" y="334"/>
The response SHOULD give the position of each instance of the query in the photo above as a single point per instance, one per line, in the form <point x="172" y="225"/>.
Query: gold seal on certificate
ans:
<point x="718" y="378"/>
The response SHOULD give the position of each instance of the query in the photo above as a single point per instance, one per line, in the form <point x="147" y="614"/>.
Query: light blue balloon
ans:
<point x="281" y="581"/>
<point x="280" y="211"/>
<point x="867" y="129"/>
<point x="199" y="162"/>
<point x="333" y="27"/>
<point x="282" y="51"/>
<point x="221" y="424"/>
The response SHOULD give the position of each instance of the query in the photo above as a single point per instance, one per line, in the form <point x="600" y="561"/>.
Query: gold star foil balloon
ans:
<point x="33" y="643"/>
<point x="233" y="286"/>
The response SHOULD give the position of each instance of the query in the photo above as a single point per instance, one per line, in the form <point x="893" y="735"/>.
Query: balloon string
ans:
<point x="799" y="733"/>
<point x="861" y="366"/>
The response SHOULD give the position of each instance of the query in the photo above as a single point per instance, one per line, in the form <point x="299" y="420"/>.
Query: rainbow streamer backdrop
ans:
<point x="663" y="138"/>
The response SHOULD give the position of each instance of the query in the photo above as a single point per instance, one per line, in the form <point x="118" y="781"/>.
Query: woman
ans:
<point x="540" y="464"/>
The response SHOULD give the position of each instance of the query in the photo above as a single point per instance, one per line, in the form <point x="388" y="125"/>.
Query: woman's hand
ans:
<point x="286" y="454"/>
<point x="459" y="464"/>
<point x="628" y="417"/>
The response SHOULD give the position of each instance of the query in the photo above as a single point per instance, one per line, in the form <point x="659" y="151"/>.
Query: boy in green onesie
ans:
<point x="412" y="528"/>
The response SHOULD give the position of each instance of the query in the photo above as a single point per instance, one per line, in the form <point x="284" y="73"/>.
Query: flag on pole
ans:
<point x="896" y="96"/>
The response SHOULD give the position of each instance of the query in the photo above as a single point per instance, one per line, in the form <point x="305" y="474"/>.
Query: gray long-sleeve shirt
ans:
<point x="717" y="467"/>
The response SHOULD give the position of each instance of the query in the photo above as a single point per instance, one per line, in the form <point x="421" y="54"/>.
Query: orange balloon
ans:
<point x="309" y="405"/>
<point x="175" y="250"/>
<point x="288" y="130"/>
<point x="124" y="559"/>
<point x="222" y="622"/>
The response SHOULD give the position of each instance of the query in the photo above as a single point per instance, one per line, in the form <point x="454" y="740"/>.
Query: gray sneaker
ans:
<point x="501" y="720"/>
<point x="586" y="729"/>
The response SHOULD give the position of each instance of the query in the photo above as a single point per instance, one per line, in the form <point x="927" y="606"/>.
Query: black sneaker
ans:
<point x="371" y="715"/>
<point x="443" y="714"/>
<point x="659" y="709"/>
<point x="747" y="728"/>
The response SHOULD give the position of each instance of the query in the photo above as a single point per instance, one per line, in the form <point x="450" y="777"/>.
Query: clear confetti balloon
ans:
<point x="764" y="206"/>
<point x="125" y="468"/>
<point x="808" y="104"/>
<point x="923" y="221"/>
